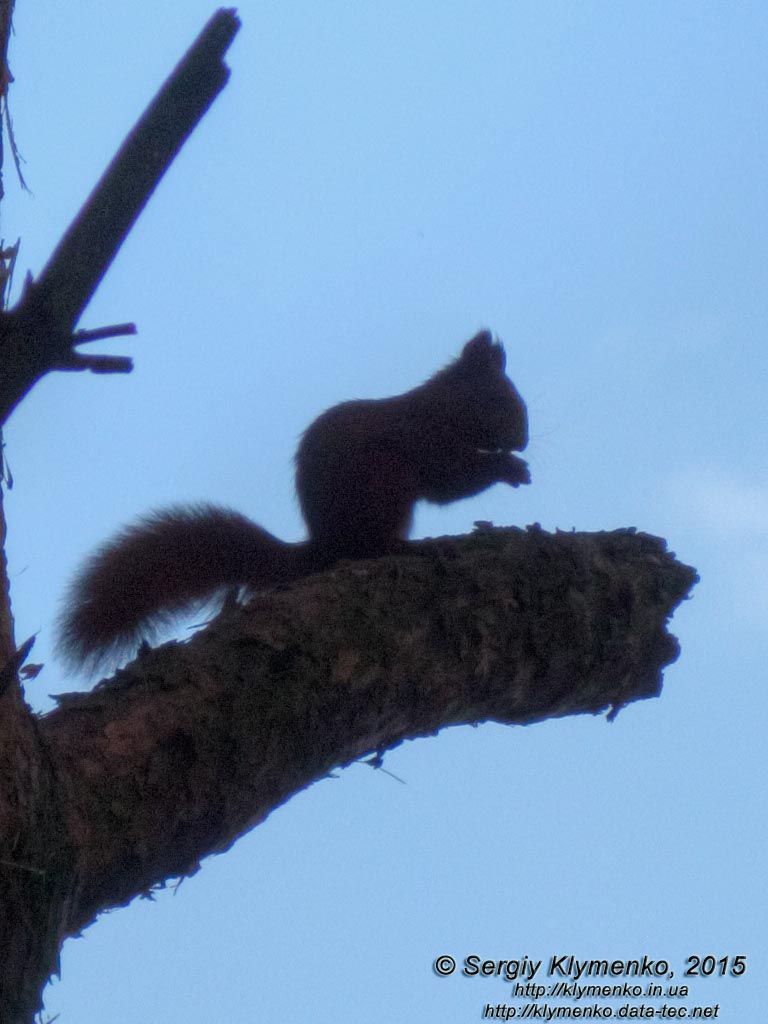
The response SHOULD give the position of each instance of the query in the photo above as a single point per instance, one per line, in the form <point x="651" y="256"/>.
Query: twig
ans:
<point x="85" y="252"/>
<point x="37" y="336"/>
<point x="98" y="364"/>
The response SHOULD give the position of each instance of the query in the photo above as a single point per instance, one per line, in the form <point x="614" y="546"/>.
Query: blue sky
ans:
<point x="378" y="181"/>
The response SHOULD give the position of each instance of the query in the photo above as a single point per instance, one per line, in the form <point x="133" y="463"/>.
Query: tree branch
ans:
<point x="36" y="336"/>
<point x="193" y="744"/>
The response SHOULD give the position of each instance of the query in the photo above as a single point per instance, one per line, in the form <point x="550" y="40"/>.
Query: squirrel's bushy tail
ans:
<point x="166" y="563"/>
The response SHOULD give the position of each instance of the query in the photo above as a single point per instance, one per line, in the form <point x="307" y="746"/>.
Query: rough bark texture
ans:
<point x="36" y="863"/>
<point x="192" y="744"/>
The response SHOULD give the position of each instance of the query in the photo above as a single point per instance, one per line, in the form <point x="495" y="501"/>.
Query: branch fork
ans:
<point x="38" y="335"/>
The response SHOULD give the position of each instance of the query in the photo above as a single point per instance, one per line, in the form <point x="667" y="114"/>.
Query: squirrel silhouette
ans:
<point x="361" y="467"/>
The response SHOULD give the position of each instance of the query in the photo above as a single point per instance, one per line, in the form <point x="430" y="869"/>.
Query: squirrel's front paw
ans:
<point x="516" y="471"/>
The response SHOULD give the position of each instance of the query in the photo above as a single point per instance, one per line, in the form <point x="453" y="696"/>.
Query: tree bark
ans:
<point x="194" y="743"/>
<point x="36" y="863"/>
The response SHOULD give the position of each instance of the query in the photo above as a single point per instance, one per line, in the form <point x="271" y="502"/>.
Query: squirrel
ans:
<point x="361" y="466"/>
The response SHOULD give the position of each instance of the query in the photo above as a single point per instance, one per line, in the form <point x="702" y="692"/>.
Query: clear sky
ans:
<point x="378" y="180"/>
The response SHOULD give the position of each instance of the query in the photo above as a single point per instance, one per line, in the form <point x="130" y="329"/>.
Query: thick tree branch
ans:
<point x="36" y="336"/>
<point x="36" y="862"/>
<point x="81" y="258"/>
<point x="193" y="744"/>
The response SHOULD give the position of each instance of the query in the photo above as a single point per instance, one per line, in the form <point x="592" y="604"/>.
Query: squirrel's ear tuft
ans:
<point x="484" y="350"/>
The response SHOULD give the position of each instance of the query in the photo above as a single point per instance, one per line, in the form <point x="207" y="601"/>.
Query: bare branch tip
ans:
<point x="224" y="24"/>
<point x="107" y="364"/>
<point x="76" y="361"/>
<point x="81" y="337"/>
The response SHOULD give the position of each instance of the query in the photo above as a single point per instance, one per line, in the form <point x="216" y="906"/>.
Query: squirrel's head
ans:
<point x="489" y="404"/>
